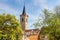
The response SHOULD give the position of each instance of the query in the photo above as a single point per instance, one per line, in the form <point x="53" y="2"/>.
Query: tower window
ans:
<point x="22" y="20"/>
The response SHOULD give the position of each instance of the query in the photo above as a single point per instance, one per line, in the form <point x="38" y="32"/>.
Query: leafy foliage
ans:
<point x="51" y="24"/>
<point x="9" y="27"/>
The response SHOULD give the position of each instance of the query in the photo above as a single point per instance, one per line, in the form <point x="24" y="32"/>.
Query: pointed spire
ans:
<point x="24" y="10"/>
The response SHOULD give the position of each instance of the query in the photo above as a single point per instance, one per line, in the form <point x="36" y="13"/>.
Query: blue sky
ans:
<point x="33" y="8"/>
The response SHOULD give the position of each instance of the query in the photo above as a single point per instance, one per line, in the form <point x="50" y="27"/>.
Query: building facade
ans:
<point x="28" y="34"/>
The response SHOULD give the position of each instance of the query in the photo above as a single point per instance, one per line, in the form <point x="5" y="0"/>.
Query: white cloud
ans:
<point x="4" y="8"/>
<point x="42" y="3"/>
<point x="32" y="17"/>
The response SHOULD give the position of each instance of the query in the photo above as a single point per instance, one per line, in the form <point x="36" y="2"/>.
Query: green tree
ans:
<point x="9" y="27"/>
<point x="51" y="24"/>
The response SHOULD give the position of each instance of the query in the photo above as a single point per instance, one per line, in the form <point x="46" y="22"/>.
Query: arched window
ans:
<point x="22" y="19"/>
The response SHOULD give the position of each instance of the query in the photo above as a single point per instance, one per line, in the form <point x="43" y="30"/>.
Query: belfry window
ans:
<point x="22" y="19"/>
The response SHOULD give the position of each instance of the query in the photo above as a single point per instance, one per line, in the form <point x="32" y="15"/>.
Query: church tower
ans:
<point x="24" y="19"/>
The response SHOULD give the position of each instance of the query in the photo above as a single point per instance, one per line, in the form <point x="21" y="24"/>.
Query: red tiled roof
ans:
<point x="32" y="30"/>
